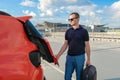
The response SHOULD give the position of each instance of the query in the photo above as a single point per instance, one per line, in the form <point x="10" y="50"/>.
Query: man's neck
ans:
<point x="76" y="26"/>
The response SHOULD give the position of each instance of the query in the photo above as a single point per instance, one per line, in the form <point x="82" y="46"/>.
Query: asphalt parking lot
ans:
<point x="105" y="56"/>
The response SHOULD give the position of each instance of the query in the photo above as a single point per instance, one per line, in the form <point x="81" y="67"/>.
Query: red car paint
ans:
<point x="15" y="48"/>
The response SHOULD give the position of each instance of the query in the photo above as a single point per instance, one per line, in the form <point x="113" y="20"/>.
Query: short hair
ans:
<point x="76" y="14"/>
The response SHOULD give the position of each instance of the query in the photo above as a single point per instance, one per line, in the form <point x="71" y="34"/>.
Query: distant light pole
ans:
<point x="92" y="28"/>
<point x="53" y="30"/>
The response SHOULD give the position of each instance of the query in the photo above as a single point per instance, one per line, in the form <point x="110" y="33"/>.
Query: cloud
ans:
<point x="62" y="9"/>
<point x="28" y="3"/>
<point x="53" y="7"/>
<point x="99" y="11"/>
<point x="5" y="10"/>
<point x="115" y="7"/>
<point x="111" y="14"/>
<point x="90" y="13"/>
<point x="107" y="15"/>
<point x="30" y="13"/>
<point x="87" y="10"/>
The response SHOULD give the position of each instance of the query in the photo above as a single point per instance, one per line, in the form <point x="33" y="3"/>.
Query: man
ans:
<point x="77" y="41"/>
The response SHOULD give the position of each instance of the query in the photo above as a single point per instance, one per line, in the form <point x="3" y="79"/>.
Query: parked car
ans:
<point x="21" y="49"/>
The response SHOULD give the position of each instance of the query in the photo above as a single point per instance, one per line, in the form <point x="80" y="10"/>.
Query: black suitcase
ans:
<point x="89" y="73"/>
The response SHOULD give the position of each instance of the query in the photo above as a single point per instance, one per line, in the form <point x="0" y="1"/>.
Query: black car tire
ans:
<point x="44" y="78"/>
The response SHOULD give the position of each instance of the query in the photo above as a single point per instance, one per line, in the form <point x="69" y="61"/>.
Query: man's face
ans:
<point x="73" y="20"/>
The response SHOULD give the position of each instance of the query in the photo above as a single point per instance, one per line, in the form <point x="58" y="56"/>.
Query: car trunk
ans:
<point x="43" y="45"/>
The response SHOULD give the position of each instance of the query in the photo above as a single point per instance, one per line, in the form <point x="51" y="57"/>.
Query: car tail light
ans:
<point x="35" y="58"/>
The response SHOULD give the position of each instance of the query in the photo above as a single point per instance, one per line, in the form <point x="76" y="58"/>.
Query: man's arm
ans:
<point x="87" y="46"/>
<point x="63" y="48"/>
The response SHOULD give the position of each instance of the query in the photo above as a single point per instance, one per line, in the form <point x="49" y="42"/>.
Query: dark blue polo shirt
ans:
<point x="76" y="40"/>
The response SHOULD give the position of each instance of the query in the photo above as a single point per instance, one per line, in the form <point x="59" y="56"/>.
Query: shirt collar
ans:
<point x="80" y="27"/>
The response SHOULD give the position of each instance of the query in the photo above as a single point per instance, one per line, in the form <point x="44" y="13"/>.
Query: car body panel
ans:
<point x="15" y="48"/>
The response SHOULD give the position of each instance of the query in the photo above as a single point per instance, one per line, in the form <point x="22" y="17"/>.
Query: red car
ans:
<point x="21" y="49"/>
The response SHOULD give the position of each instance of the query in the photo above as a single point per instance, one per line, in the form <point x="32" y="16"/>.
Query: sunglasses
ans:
<point x="72" y="19"/>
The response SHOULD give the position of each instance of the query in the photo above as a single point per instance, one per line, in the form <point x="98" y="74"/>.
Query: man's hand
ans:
<point x="57" y="56"/>
<point x="88" y="62"/>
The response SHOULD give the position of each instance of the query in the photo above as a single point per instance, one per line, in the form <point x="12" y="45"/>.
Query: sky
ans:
<point x="91" y="11"/>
